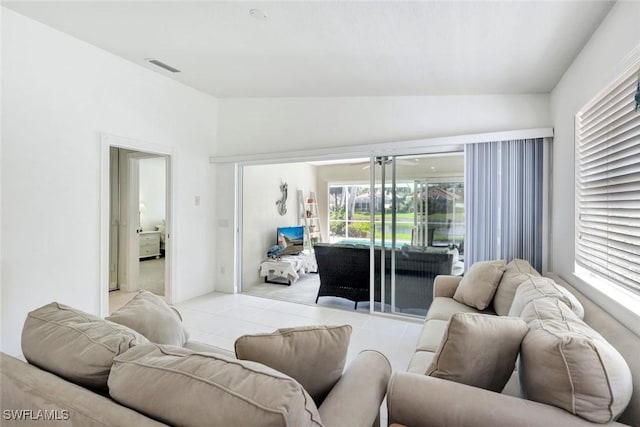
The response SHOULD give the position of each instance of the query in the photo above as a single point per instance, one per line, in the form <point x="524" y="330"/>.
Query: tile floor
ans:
<point x="218" y="319"/>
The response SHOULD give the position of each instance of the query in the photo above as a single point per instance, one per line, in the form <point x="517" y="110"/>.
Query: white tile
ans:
<point x="339" y="317"/>
<point x="207" y="323"/>
<point x="284" y="320"/>
<point x="385" y="324"/>
<point x="244" y="312"/>
<point x="191" y="317"/>
<point x="311" y="312"/>
<point x="218" y="341"/>
<point x="384" y="342"/>
<point x="233" y="328"/>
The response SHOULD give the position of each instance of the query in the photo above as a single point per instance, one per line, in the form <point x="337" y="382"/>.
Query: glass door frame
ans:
<point x="383" y="179"/>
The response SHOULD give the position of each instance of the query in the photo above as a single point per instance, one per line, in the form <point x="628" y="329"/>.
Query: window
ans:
<point x="427" y="213"/>
<point x="349" y="212"/>
<point x="608" y="184"/>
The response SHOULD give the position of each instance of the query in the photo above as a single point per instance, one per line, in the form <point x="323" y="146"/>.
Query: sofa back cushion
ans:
<point x="313" y="355"/>
<point x="477" y="287"/>
<point x="149" y="315"/>
<point x="75" y="345"/>
<point x="182" y="387"/>
<point x="478" y="350"/>
<point x="514" y="275"/>
<point x="535" y="287"/>
<point x="565" y="363"/>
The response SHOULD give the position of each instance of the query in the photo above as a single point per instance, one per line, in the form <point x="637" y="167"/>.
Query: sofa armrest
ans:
<point x="445" y="286"/>
<point x="422" y="401"/>
<point x="356" y="398"/>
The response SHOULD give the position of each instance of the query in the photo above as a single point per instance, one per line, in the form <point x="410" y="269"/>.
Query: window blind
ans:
<point x="608" y="183"/>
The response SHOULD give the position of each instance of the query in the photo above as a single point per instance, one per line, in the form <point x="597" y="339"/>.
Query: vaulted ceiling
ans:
<point x="338" y="48"/>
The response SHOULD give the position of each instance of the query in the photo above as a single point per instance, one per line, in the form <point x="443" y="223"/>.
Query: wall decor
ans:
<point x="282" y="203"/>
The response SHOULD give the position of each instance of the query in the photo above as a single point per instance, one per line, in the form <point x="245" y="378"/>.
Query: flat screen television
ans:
<point x="292" y="238"/>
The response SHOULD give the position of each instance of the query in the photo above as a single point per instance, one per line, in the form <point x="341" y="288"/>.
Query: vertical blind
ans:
<point x="608" y="184"/>
<point x="504" y="199"/>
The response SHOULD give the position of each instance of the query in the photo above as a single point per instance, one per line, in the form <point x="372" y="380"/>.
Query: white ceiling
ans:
<point x="345" y="48"/>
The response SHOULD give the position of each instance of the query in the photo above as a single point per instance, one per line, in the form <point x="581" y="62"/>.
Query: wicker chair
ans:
<point x="344" y="272"/>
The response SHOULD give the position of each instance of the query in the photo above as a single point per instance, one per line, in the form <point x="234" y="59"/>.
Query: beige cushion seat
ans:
<point x="442" y="308"/>
<point x="420" y="361"/>
<point x="431" y="335"/>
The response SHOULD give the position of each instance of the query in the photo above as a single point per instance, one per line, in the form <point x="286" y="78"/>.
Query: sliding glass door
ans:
<point x="416" y="217"/>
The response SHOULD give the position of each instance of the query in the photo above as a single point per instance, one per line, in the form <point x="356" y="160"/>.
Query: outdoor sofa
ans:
<point x="344" y="271"/>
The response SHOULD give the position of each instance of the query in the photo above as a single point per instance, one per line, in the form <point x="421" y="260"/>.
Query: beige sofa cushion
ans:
<point x="514" y="274"/>
<point x="431" y="335"/>
<point x="314" y="355"/>
<point x="477" y="287"/>
<point x="535" y="287"/>
<point x="565" y="363"/>
<point x="181" y="387"/>
<point x="420" y="362"/>
<point x="149" y="315"/>
<point x="442" y="308"/>
<point x="546" y="308"/>
<point x="75" y="345"/>
<point x="479" y="350"/>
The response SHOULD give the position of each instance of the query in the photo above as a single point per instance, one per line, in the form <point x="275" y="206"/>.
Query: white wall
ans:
<point x="58" y="95"/>
<point x="260" y="214"/>
<point x="259" y="125"/>
<point x="610" y="50"/>
<point x="153" y="192"/>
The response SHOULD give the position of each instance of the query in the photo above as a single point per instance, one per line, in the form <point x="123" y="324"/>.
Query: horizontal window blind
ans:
<point x="608" y="184"/>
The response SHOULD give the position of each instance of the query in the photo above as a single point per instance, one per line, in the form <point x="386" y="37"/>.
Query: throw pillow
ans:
<point x="515" y="273"/>
<point x="181" y="387"/>
<point x="565" y="363"/>
<point x="477" y="287"/>
<point x="75" y="345"/>
<point x="535" y="287"/>
<point x="149" y="315"/>
<point x="314" y="355"/>
<point x="479" y="350"/>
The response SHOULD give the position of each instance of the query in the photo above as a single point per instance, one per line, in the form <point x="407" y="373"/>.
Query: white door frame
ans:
<point x="108" y="141"/>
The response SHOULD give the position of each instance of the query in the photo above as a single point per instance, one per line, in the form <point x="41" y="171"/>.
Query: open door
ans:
<point x="133" y="227"/>
<point x="139" y="246"/>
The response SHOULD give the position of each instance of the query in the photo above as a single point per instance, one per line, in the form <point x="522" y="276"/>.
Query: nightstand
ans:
<point x="149" y="244"/>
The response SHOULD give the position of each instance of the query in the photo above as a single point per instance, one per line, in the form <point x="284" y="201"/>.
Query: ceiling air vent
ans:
<point x="162" y="65"/>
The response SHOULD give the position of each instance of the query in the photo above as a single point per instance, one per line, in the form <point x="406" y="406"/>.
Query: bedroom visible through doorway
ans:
<point x="137" y="224"/>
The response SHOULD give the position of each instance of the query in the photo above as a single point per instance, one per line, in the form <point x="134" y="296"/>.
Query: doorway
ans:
<point x="407" y="209"/>
<point x="139" y="220"/>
